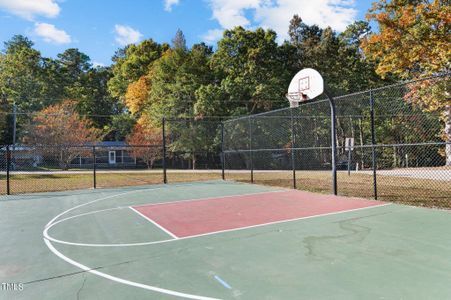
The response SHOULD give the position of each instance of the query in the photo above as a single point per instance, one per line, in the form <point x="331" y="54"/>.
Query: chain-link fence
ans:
<point x="189" y="151"/>
<point x="193" y="149"/>
<point x="393" y="143"/>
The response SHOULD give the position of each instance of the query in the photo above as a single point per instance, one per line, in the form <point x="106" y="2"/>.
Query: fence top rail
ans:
<point x="275" y="111"/>
<point x="368" y="91"/>
<point x="28" y="146"/>
<point x="341" y="147"/>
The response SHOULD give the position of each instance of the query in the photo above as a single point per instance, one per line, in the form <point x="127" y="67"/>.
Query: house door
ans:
<point x="112" y="157"/>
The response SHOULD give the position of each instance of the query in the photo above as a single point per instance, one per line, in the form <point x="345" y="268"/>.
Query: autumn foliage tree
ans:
<point x="60" y="131"/>
<point x="146" y="143"/>
<point x="413" y="41"/>
<point x="136" y="95"/>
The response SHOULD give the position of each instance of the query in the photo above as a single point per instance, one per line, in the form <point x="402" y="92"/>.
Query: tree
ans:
<point x="338" y="57"/>
<point x="72" y="70"/>
<point x="54" y="83"/>
<point x="20" y="74"/>
<point x="121" y="125"/>
<point x="174" y="80"/>
<point x="94" y="100"/>
<point x="132" y="62"/>
<point x="250" y="74"/>
<point x="58" y="128"/>
<point x="5" y="122"/>
<point x="74" y="64"/>
<point x="136" y="95"/>
<point x="413" y="37"/>
<point x="413" y="41"/>
<point x="179" y="41"/>
<point x="21" y="82"/>
<point x="146" y="143"/>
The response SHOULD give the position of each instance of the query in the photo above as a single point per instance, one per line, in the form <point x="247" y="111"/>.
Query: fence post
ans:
<point x="222" y="151"/>
<point x="8" y="166"/>
<point x="165" y="179"/>
<point x="250" y="150"/>
<point x="333" y="133"/>
<point x="293" y="143"/>
<point x="373" y="148"/>
<point x="94" y="166"/>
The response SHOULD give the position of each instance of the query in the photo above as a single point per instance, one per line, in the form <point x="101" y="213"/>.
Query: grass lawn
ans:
<point x="412" y="191"/>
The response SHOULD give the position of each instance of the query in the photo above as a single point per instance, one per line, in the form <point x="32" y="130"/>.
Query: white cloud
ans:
<point x="126" y="35"/>
<point x="212" y="35"/>
<point x="27" y="9"/>
<point x="96" y="64"/>
<point x="275" y="14"/>
<point x="51" y="34"/>
<point x="168" y="4"/>
<point x="230" y="13"/>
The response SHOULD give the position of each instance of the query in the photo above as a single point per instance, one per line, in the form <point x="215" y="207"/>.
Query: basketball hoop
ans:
<point x="305" y="85"/>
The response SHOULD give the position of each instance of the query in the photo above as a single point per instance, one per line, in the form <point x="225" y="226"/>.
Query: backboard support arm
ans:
<point x="333" y="133"/>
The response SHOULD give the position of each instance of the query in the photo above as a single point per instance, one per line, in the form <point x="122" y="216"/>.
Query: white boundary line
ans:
<point x="140" y="285"/>
<point x="47" y="239"/>
<point x="209" y="198"/>
<point x="154" y="223"/>
<point x="47" y="236"/>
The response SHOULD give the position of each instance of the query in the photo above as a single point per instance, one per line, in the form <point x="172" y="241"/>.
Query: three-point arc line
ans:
<point x="52" y="222"/>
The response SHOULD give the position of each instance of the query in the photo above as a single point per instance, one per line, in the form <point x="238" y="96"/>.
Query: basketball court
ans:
<point x="221" y="240"/>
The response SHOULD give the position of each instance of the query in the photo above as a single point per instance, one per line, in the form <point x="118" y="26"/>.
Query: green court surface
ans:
<point x="89" y="244"/>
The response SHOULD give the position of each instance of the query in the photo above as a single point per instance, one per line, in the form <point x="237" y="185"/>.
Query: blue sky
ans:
<point x="99" y="27"/>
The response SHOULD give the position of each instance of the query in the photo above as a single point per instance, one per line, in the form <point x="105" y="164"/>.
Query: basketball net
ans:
<point x="296" y="98"/>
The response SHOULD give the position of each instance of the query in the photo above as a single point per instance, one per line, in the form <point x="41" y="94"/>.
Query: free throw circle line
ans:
<point x="47" y="236"/>
<point x="104" y="275"/>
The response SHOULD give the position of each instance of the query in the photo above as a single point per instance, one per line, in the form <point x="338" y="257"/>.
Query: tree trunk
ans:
<point x="447" y="117"/>
<point x="194" y="161"/>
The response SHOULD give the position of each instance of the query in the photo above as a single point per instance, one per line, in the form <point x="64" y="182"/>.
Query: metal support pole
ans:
<point x="94" y="168"/>
<point x="293" y="144"/>
<point x="165" y="179"/>
<point x="222" y="151"/>
<point x="8" y="167"/>
<point x="333" y="133"/>
<point x="250" y="151"/>
<point x="373" y="148"/>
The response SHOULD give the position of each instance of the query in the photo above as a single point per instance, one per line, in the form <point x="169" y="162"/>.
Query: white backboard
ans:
<point x="305" y="85"/>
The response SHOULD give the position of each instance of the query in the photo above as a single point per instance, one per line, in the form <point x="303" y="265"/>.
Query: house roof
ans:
<point x="111" y="143"/>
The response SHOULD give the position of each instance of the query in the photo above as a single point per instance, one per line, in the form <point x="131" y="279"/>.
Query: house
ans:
<point x="109" y="154"/>
<point x="22" y="157"/>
